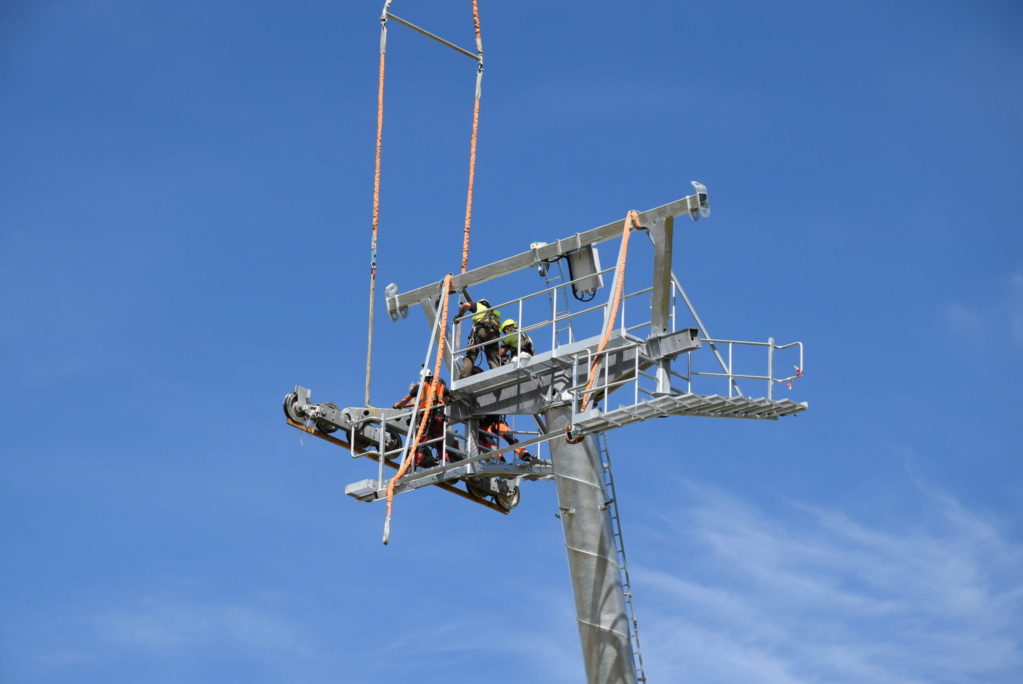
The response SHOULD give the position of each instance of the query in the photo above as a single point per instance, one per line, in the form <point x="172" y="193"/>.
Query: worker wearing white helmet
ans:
<point x="432" y="398"/>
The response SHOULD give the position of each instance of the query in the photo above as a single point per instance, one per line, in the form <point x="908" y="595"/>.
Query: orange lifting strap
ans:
<point x="631" y="220"/>
<point x="376" y="195"/>
<point x="442" y="323"/>
<point x="475" y="130"/>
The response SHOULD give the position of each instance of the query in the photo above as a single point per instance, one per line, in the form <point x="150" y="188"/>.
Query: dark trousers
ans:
<point x="425" y="457"/>
<point x="483" y="333"/>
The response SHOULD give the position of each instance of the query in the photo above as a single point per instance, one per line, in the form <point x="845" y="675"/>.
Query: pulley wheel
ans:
<point x="509" y="500"/>
<point x="291" y="408"/>
<point x="477" y="490"/>
<point x="322" y="425"/>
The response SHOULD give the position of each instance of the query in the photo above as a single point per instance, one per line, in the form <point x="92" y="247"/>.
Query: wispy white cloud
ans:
<point x="825" y="598"/>
<point x="173" y="627"/>
<point x="530" y="625"/>
<point x="171" y="631"/>
<point x="1000" y="317"/>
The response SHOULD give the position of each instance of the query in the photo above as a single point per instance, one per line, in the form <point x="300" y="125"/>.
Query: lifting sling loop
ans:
<point x="385" y="15"/>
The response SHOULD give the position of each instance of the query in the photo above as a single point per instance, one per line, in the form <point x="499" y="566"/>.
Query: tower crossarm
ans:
<point x="398" y="303"/>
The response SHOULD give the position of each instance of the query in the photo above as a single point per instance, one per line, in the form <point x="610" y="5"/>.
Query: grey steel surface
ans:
<point x="662" y="235"/>
<point x="592" y="557"/>
<point x="539" y="381"/>
<point x="434" y="37"/>
<point x="713" y="406"/>
<point x="398" y="303"/>
<point x="553" y="383"/>
<point x="532" y="386"/>
<point x="450" y="473"/>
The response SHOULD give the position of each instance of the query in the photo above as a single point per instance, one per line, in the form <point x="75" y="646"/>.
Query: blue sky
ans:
<point x="185" y="213"/>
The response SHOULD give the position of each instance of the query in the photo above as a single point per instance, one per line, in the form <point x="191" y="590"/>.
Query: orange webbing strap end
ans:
<point x="430" y="399"/>
<point x="631" y="220"/>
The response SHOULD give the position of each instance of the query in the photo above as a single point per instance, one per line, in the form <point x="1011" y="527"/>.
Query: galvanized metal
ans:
<point x="662" y="235"/>
<point x="434" y="37"/>
<point x="644" y="357"/>
<point x="592" y="557"/>
<point x="398" y="303"/>
<point x="713" y="406"/>
<point x="442" y="485"/>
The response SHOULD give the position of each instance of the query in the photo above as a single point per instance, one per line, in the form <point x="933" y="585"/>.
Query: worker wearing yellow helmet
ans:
<point x="515" y="345"/>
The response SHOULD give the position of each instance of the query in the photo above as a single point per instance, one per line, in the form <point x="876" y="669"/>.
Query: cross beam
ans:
<point x="398" y="303"/>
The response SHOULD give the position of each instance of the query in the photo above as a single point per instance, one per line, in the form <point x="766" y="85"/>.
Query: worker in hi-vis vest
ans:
<point x="492" y="427"/>
<point x="434" y="396"/>
<point x="485" y="331"/>
<point x="515" y="345"/>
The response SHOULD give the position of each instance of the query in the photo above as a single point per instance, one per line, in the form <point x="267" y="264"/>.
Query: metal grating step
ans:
<point x="714" y="406"/>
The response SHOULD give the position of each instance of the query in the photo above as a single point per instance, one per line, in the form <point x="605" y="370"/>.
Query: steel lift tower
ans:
<point x="642" y="353"/>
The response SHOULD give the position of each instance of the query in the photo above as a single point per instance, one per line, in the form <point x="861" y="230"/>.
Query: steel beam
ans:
<point x="662" y="235"/>
<point x="399" y="302"/>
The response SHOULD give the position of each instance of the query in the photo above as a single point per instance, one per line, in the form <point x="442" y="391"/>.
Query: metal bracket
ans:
<point x="391" y="297"/>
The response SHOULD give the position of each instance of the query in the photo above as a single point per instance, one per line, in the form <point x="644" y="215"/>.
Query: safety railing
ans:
<point x="603" y="384"/>
<point x="729" y="372"/>
<point x="590" y="317"/>
<point x="452" y="446"/>
<point x="646" y="385"/>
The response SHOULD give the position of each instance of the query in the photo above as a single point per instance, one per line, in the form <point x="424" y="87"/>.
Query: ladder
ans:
<point x="560" y="312"/>
<point x="623" y="568"/>
<point x="558" y="297"/>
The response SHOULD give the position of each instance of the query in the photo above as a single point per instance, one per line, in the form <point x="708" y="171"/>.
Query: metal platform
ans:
<point x="371" y="490"/>
<point x="529" y="387"/>
<point x="447" y="486"/>
<point x="713" y="406"/>
<point x="652" y="366"/>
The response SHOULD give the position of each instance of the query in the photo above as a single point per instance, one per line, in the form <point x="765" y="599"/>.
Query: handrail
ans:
<point x="646" y="385"/>
<point x="555" y="319"/>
